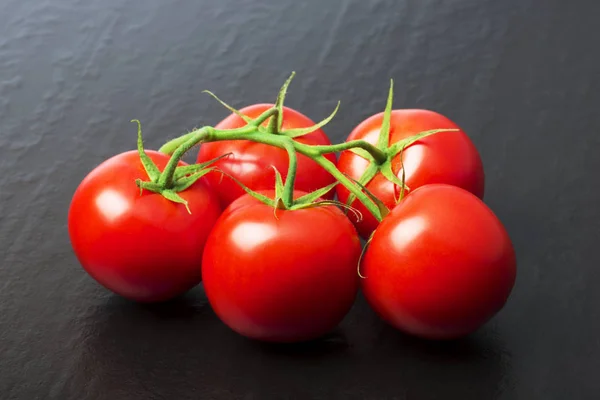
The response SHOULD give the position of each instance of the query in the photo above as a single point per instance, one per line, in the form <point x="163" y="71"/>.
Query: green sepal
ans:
<point x="260" y="197"/>
<point x="398" y="146"/>
<point x="185" y="182"/>
<point x="148" y="185"/>
<point x="278" y="202"/>
<point x="403" y="187"/>
<point x="185" y="170"/>
<point x="174" y="197"/>
<point x="304" y="131"/>
<point x="276" y="124"/>
<point x="388" y="173"/>
<point x="362" y="253"/>
<point x="230" y="108"/>
<point x="278" y="183"/>
<point x="312" y="196"/>
<point x="278" y="205"/>
<point x="384" y="134"/>
<point x="151" y="168"/>
<point x="168" y="194"/>
<point x="382" y="207"/>
<point x="323" y="203"/>
<point x="366" y="177"/>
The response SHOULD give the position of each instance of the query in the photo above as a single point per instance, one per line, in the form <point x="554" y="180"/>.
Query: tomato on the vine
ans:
<point x="252" y="163"/>
<point x="446" y="157"/>
<point x="287" y="277"/>
<point x="439" y="265"/>
<point x="139" y="245"/>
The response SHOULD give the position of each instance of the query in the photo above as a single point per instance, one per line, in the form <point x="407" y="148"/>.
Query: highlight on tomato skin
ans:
<point x="440" y="265"/>
<point x="285" y="278"/>
<point x="252" y="163"/>
<point x="140" y="246"/>
<point x="446" y="157"/>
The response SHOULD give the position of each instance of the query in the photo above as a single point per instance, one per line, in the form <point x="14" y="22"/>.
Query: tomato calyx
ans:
<point x="169" y="183"/>
<point x="276" y="122"/>
<point x="271" y="121"/>
<point x="383" y="165"/>
<point x="285" y="190"/>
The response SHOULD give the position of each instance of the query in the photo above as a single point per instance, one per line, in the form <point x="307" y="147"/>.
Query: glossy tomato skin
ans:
<point x="251" y="163"/>
<point x="439" y="265"/>
<point x="286" y="279"/>
<point x="446" y="157"/>
<point x="142" y="247"/>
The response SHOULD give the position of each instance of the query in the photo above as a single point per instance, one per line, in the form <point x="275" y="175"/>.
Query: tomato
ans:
<point x="251" y="163"/>
<point x="439" y="265"/>
<point x="140" y="246"/>
<point x="286" y="279"/>
<point x="445" y="157"/>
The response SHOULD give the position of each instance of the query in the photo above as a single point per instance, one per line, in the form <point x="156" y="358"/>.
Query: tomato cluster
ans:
<point x="438" y="265"/>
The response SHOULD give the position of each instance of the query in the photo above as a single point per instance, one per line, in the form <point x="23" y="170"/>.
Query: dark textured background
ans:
<point x="520" y="76"/>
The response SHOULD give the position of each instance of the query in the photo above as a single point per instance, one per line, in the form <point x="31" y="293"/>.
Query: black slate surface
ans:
<point x="520" y="76"/>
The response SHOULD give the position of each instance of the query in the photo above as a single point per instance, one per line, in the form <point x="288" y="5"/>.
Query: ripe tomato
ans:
<point x="286" y="279"/>
<point x="251" y="163"/>
<point x="446" y="157"/>
<point x="143" y="247"/>
<point x="439" y="265"/>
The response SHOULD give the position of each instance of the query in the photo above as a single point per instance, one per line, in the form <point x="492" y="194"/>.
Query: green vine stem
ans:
<point x="380" y="155"/>
<point x="288" y="188"/>
<point x="179" y="146"/>
<point x="252" y="133"/>
<point x="171" y="146"/>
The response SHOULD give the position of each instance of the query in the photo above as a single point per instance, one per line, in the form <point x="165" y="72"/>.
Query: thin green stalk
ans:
<point x="288" y="188"/>
<point x="280" y="141"/>
<point x="379" y="156"/>
<point x="149" y="166"/>
<point x="351" y="186"/>
<point x="166" y="178"/>
<point x="383" y="141"/>
<point x="264" y="116"/>
<point x="193" y="138"/>
<point x="172" y="145"/>
<point x="250" y="132"/>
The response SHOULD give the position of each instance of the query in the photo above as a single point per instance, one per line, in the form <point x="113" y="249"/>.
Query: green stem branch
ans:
<point x="351" y="186"/>
<point x="379" y="156"/>
<point x="172" y="145"/>
<point x="249" y="132"/>
<point x="264" y="116"/>
<point x="166" y="178"/>
<point x="204" y="134"/>
<point x="178" y="147"/>
<point x="288" y="188"/>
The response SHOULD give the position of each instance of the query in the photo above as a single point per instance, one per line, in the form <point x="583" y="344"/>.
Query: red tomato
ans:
<point x="251" y="163"/>
<point x="286" y="279"/>
<point x="143" y="247"/>
<point x="446" y="157"/>
<point x="439" y="265"/>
